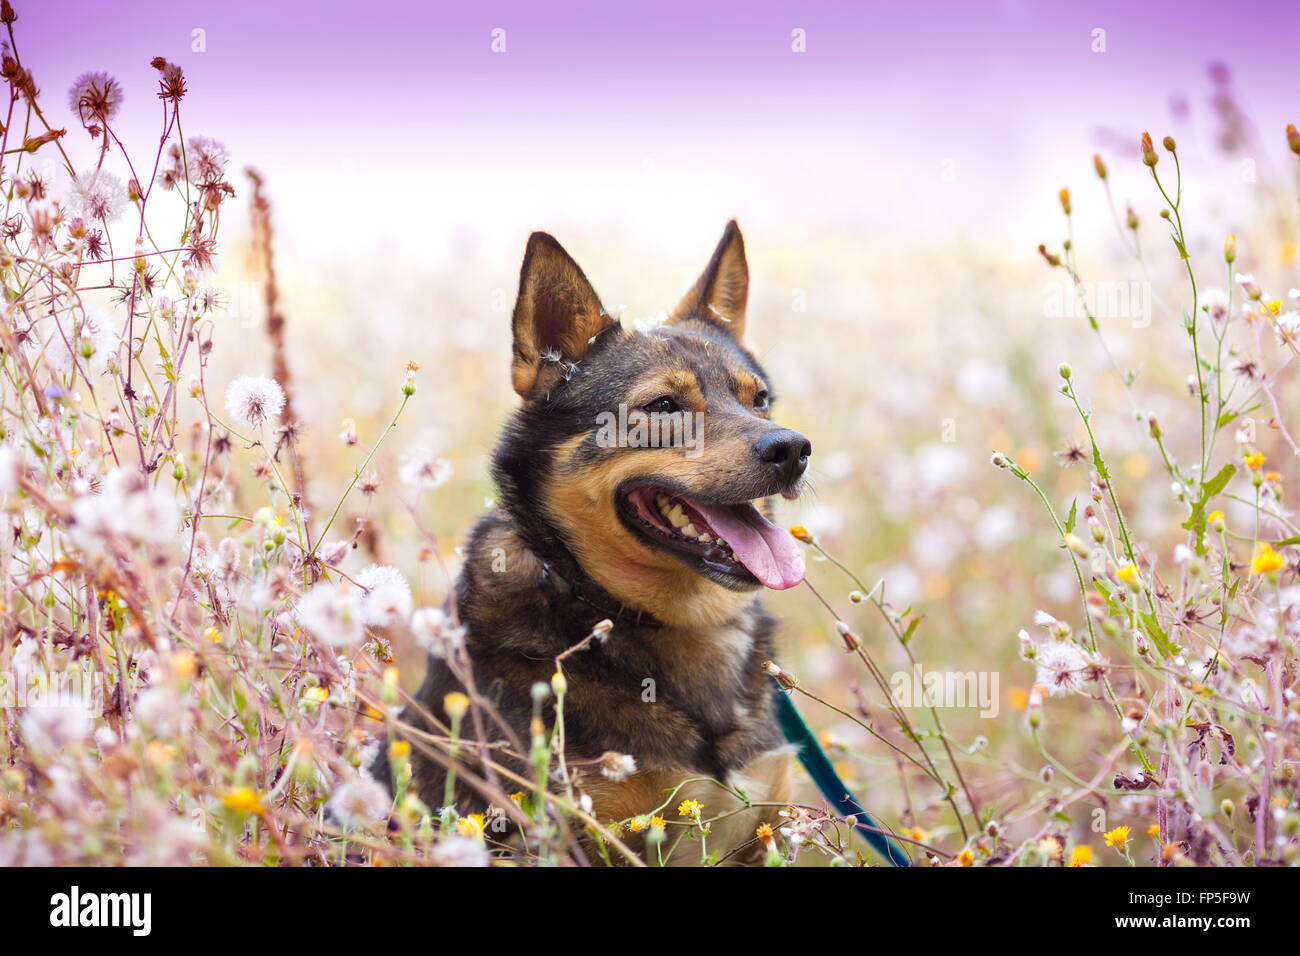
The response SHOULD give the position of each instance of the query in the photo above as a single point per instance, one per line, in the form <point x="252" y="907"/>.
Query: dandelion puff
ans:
<point x="49" y="726"/>
<point x="1061" y="668"/>
<point x="459" y="851"/>
<point x="254" y="400"/>
<point x="359" y="802"/>
<point x="331" y="614"/>
<point x="420" y="468"/>
<point x="95" y="98"/>
<point x="97" y="195"/>
<point x="1215" y="303"/>
<point x="386" y="597"/>
<point x="206" y="159"/>
<point x="435" y="633"/>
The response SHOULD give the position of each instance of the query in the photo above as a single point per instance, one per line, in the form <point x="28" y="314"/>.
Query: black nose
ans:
<point x="786" y="452"/>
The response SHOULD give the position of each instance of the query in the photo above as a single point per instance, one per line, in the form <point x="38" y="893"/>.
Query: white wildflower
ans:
<point x="420" y="468"/>
<point x="95" y="98"/>
<point x="459" y="851"/>
<point x="1062" y="667"/>
<point x="386" y="597"/>
<point x="435" y="633"/>
<point x="359" y="801"/>
<point x="98" y="196"/>
<point x="331" y="614"/>
<point x="254" y="400"/>
<point x="49" y="726"/>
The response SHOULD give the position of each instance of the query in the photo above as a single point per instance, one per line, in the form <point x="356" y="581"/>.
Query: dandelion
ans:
<point x="459" y="851"/>
<point x="1062" y="667"/>
<point x="1117" y="838"/>
<point x="1255" y="460"/>
<point x="1215" y="304"/>
<point x="691" y="809"/>
<point x="98" y="196"/>
<point x="658" y="823"/>
<point x="207" y="159"/>
<point x="456" y="705"/>
<point x="1081" y="856"/>
<point x="636" y="825"/>
<point x="95" y="98"/>
<point x="1153" y="831"/>
<point x="254" y="400"/>
<point x="1266" y="560"/>
<point x="358" y="802"/>
<point x="470" y="826"/>
<point x="966" y="857"/>
<point x="800" y="533"/>
<point x="420" y="468"/>
<point x="244" y="800"/>
<point x="386" y="597"/>
<point x="331" y="614"/>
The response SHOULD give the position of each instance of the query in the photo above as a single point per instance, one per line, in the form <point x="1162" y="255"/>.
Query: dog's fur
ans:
<point x="555" y="557"/>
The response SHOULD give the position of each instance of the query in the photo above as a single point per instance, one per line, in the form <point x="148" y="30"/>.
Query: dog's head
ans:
<point x="650" y="455"/>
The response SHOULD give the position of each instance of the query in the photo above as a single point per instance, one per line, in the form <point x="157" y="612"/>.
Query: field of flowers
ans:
<point x="1052" y="607"/>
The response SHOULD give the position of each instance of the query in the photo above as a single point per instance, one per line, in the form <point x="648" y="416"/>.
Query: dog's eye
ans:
<point x="760" y="401"/>
<point x="664" y="405"/>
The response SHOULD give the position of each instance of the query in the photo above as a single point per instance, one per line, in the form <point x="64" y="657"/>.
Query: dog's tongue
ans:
<point x="771" y="555"/>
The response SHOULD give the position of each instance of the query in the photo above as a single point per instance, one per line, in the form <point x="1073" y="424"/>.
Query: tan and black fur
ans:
<point x="556" y="555"/>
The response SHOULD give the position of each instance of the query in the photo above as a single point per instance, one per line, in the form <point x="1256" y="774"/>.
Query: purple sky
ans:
<point x="918" y="118"/>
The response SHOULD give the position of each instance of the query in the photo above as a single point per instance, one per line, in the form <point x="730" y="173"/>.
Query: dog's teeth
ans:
<point x="690" y="531"/>
<point x="706" y="537"/>
<point x="678" y="519"/>
<point x="661" y="500"/>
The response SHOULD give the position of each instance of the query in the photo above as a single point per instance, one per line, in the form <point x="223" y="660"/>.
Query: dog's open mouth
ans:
<point x="731" y="543"/>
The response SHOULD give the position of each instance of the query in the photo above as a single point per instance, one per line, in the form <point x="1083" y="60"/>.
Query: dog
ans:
<point x="668" y="539"/>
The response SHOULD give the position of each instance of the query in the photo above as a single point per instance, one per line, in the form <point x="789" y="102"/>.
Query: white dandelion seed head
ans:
<point x="254" y="400"/>
<point x="1216" y="304"/>
<point x="126" y="508"/>
<point x="95" y="97"/>
<point x="331" y="614"/>
<point x="435" y="633"/>
<point x="1061" y="667"/>
<point x="206" y="159"/>
<point x="50" y="726"/>
<point x="459" y="851"/>
<point x="421" y="468"/>
<point x="359" y="801"/>
<point x="97" y="196"/>
<point x="385" y="598"/>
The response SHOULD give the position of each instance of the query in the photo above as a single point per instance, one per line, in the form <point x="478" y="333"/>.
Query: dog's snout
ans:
<point x="786" y="452"/>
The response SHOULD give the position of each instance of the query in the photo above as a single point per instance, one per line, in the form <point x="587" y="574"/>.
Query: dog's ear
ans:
<point x="721" y="292"/>
<point x="556" y="316"/>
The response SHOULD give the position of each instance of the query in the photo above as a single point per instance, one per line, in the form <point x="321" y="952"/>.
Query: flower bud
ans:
<point x="1064" y="196"/>
<point x="1230" y="248"/>
<point x="1149" y="151"/>
<point x="1169" y="143"/>
<point x="1293" y="138"/>
<point x="1098" y="165"/>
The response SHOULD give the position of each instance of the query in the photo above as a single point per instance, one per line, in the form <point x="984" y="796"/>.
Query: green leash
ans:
<point x="828" y="781"/>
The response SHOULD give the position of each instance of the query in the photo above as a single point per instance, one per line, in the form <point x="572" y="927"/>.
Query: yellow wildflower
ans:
<point x="966" y="857"/>
<point x="244" y="800"/>
<point x="690" y="808"/>
<point x="1153" y="831"/>
<point x="1080" y="856"/>
<point x="1266" y="560"/>
<point x="317" y="695"/>
<point x="1255" y="461"/>
<point x="636" y="825"/>
<point x="470" y="826"/>
<point x="400" y="749"/>
<point x="1117" y="838"/>
<point x="455" y="704"/>
<point x="801" y="533"/>
<point x="657" y="823"/>
<point x="1050" y="847"/>
<point x="517" y="798"/>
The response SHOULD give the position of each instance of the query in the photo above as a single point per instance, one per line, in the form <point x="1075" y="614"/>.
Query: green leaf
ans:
<point x="1157" y="634"/>
<point x="1069" y="522"/>
<point x="1196" y="520"/>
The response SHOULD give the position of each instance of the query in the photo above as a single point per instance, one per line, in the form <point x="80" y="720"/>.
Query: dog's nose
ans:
<point x="786" y="452"/>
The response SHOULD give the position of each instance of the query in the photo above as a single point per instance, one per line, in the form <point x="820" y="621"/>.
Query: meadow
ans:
<point x="233" y="498"/>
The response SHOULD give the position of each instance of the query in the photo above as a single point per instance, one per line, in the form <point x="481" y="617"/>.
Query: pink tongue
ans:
<point x="771" y="555"/>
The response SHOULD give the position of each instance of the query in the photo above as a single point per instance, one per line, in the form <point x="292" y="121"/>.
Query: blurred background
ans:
<point x="893" y="168"/>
